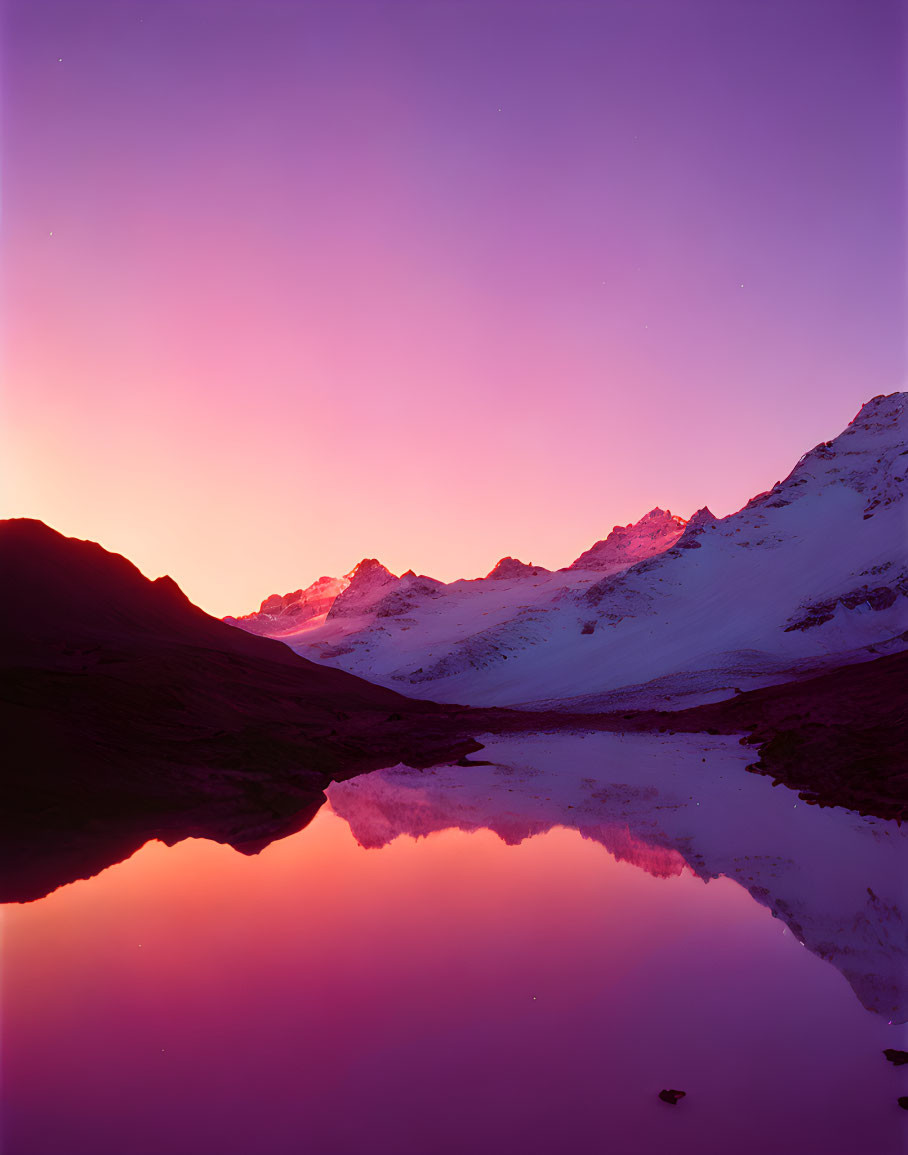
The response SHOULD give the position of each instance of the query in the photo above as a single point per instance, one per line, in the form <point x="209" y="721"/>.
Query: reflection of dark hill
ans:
<point x="129" y="714"/>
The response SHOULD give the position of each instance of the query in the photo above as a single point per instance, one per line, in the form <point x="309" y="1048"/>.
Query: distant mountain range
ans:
<point x="369" y="585"/>
<point x="811" y="574"/>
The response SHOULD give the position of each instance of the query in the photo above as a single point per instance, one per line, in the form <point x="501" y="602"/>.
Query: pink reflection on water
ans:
<point x="445" y="995"/>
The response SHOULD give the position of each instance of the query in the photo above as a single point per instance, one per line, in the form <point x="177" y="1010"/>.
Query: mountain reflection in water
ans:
<point x="837" y="880"/>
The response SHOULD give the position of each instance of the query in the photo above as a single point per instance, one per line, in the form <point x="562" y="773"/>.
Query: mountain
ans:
<point x="372" y="591"/>
<point x="375" y="592"/>
<point x="655" y="532"/>
<point x="808" y="575"/>
<point x="510" y="568"/>
<point x="369" y="582"/>
<point x="411" y="590"/>
<point x="287" y="613"/>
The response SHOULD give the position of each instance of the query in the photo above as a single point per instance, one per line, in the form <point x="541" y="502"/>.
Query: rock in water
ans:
<point x="672" y="1097"/>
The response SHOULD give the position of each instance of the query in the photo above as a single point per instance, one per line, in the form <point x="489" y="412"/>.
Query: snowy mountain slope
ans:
<point x="809" y="573"/>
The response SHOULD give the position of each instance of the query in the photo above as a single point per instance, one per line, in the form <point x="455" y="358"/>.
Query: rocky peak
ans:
<point x="284" y="613"/>
<point x="698" y="522"/>
<point x="660" y="516"/>
<point x="654" y="533"/>
<point x="511" y="567"/>
<point x="699" y="519"/>
<point x="370" y="581"/>
<point x="370" y="569"/>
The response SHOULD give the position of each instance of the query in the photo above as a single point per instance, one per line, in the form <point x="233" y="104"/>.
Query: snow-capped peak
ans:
<point x="369" y="582"/>
<point x="511" y="567"/>
<point x="698" y="522"/>
<point x="285" y="613"/>
<point x="655" y="532"/>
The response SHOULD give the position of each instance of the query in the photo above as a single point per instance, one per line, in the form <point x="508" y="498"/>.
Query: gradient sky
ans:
<point x="289" y="284"/>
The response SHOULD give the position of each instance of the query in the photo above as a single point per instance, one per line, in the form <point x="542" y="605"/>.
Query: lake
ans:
<point x="491" y="958"/>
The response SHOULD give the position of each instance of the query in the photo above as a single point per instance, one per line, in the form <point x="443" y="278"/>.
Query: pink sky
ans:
<point x="285" y="286"/>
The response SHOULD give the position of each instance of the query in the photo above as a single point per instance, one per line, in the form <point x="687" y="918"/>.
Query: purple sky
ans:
<point x="285" y="285"/>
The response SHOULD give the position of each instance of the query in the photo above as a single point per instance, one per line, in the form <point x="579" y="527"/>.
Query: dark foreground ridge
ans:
<point x="130" y="714"/>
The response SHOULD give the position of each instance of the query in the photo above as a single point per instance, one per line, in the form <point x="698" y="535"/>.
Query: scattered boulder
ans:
<point x="899" y="1058"/>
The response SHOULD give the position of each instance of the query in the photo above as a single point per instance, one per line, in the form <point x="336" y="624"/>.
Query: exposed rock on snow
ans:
<point x="411" y="591"/>
<point x="879" y="597"/>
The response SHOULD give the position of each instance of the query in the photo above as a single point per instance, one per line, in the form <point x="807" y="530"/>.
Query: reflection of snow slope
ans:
<point x="835" y="879"/>
<point x="810" y="573"/>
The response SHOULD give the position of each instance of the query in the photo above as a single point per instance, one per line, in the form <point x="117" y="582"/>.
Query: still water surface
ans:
<point x="447" y="994"/>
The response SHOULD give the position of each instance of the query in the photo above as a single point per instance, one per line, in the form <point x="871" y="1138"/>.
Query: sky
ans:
<point x="285" y="285"/>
